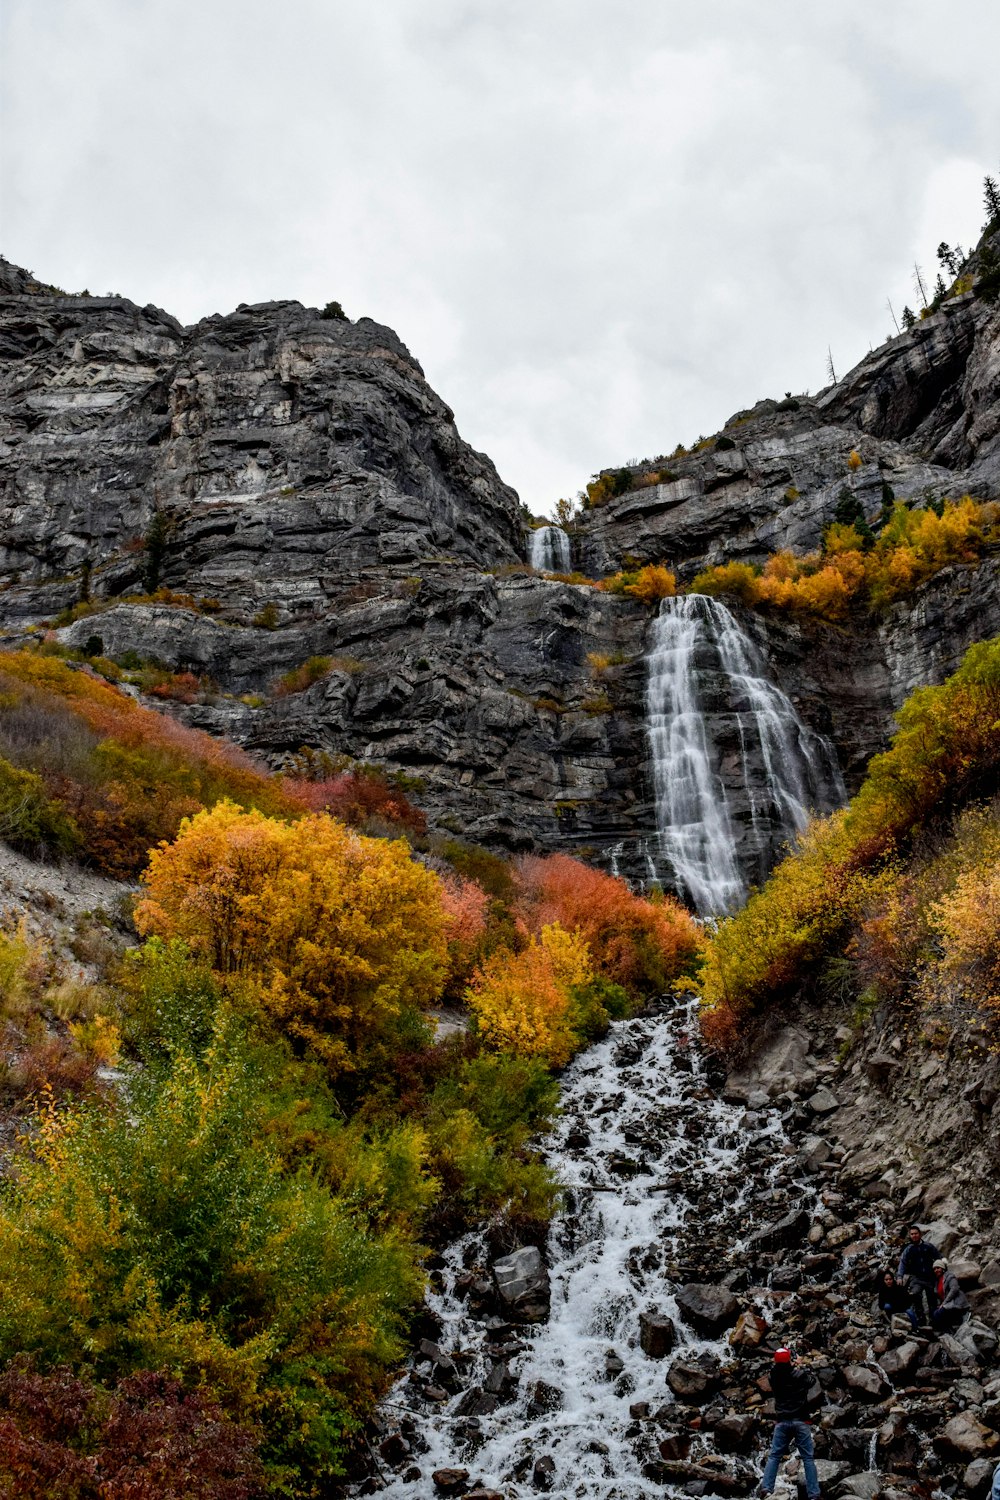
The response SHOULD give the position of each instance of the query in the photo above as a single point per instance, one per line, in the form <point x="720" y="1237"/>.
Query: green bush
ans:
<point x="30" y="819"/>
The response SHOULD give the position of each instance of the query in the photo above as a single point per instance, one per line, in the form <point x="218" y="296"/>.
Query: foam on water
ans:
<point x="640" y="1094"/>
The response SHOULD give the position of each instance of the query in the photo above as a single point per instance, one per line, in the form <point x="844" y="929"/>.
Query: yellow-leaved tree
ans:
<point x="335" y="932"/>
<point x="523" y="1001"/>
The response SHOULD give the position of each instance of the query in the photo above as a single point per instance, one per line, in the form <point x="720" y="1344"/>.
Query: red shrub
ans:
<point x="62" y="1439"/>
<point x="359" y="798"/>
<point x="634" y="942"/>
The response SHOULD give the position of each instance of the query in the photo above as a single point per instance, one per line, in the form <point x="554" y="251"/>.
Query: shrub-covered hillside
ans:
<point x="897" y="893"/>
<point x="231" y="1152"/>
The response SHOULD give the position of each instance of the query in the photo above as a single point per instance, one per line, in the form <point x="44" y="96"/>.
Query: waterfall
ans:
<point x="736" y="773"/>
<point x="549" y="550"/>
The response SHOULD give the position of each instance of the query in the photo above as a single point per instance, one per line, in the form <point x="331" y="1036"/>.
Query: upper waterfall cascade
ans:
<point x="721" y="809"/>
<point x="549" y="550"/>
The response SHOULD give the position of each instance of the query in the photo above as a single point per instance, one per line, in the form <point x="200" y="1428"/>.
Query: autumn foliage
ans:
<point x="112" y="777"/>
<point x="62" y="1438"/>
<point x="638" y="943"/>
<point x="843" y="878"/>
<point x="853" y="571"/>
<point x="337" y="933"/>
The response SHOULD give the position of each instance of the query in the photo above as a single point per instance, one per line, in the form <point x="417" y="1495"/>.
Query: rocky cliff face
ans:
<point x="294" y="476"/>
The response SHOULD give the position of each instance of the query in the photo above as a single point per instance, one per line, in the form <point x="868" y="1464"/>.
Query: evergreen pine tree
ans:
<point x="991" y="198"/>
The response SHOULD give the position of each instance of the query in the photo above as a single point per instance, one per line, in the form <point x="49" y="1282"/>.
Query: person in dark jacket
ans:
<point x="953" y="1305"/>
<point x="894" y="1299"/>
<point x="792" y="1405"/>
<point x="916" y="1268"/>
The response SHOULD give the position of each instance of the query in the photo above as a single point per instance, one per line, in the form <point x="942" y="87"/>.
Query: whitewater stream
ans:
<point x="660" y="1177"/>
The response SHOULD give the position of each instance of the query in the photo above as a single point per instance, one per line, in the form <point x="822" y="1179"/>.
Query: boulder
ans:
<point x="749" y="1331"/>
<point x="865" y="1383"/>
<point x="898" y="1363"/>
<point x="823" y="1102"/>
<point x="690" y="1381"/>
<point x="968" y="1272"/>
<point x="544" y="1472"/>
<point x="978" y="1477"/>
<point x="734" y="1433"/>
<point x="861" y="1486"/>
<point x="657" y="1334"/>
<point x="450" y="1481"/>
<point x="522" y="1285"/>
<point x="782" y="1235"/>
<point x="966" y="1437"/>
<point x="709" y="1309"/>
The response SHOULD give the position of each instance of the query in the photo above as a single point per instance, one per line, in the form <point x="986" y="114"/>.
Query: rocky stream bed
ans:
<point x="702" y="1226"/>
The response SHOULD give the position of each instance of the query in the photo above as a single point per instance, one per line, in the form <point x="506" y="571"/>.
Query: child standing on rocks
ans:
<point x="792" y="1405"/>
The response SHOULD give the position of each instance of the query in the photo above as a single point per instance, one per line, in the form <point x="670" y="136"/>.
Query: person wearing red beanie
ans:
<point x="792" y="1404"/>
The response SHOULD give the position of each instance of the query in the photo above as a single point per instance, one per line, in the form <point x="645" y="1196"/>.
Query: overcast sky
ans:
<point x="602" y="226"/>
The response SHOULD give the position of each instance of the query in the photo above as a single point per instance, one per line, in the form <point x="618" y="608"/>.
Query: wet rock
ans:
<point x="862" y="1486"/>
<point x="678" y="1445"/>
<point x="785" y="1279"/>
<point x="477" y="1403"/>
<point x="522" y="1285"/>
<point x="690" y="1381"/>
<point x="640" y="1411"/>
<point x="865" y="1383"/>
<point x="394" y="1449"/>
<point x="657" y="1334"/>
<point x="734" y="1433"/>
<point x="978" y="1477"/>
<point x="964" y="1436"/>
<point x="749" y="1331"/>
<point x="450" y="1481"/>
<point x="709" y="1309"/>
<point x="786" y="1233"/>
<point x="544" y="1472"/>
<point x="544" y="1397"/>
<point x="898" y="1363"/>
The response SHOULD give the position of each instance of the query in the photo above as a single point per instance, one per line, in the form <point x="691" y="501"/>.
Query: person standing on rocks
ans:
<point x="792" y="1405"/>
<point x="952" y="1304"/>
<point x="916" y="1268"/>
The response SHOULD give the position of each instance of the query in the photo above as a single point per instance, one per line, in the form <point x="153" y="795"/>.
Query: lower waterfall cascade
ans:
<point x="657" y="1185"/>
<point x="703" y="670"/>
<point x="549" y="550"/>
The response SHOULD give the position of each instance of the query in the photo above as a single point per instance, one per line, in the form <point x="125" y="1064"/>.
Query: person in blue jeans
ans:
<point x="790" y="1389"/>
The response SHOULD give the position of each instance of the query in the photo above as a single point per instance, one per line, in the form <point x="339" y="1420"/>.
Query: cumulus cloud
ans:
<point x="602" y="227"/>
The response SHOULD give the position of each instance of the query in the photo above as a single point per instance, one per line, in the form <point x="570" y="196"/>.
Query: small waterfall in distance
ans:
<point x="703" y="671"/>
<point x="549" y="550"/>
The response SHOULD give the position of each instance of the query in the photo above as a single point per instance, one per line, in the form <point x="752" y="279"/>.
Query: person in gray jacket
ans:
<point x="952" y="1303"/>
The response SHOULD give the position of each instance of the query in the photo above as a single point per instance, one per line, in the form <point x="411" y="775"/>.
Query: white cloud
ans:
<point x="601" y="227"/>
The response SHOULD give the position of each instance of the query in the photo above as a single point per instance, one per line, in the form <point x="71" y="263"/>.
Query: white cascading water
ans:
<point x="549" y="550"/>
<point x="655" y="1168"/>
<point x="702" y="668"/>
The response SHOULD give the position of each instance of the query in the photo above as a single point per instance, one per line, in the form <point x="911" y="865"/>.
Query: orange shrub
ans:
<point x="637" y="943"/>
<point x="335" y="933"/>
<point x="652" y="583"/>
